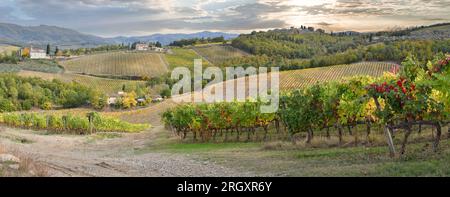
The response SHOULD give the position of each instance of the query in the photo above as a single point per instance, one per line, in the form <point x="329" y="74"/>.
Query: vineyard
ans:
<point x="217" y="54"/>
<point x="119" y="64"/>
<point x="414" y="95"/>
<point x="288" y="80"/>
<point x="182" y="57"/>
<point x="108" y="86"/>
<point x="302" y="78"/>
<point x="73" y="124"/>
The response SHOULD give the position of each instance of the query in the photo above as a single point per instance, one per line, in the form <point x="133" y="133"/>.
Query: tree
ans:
<point x="158" y="44"/>
<point x="58" y="52"/>
<point x="48" y="49"/>
<point x="6" y="105"/>
<point x="166" y="93"/>
<point x="154" y="81"/>
<point x="13" y="93"/>
<point x="25" y="52"/>
<point x="97" y="100"/>
<point x="129" y="100"/>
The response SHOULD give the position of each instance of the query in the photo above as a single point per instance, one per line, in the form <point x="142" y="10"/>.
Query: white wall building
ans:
<point x="36" y="53"/>
<point x="142" y="47"/>
<point x="112" y="100"/>
<point x="157" y="49"/>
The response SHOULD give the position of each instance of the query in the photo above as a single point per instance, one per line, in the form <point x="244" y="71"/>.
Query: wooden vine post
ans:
<point x="387" y="131"/>
<point x="91" y="117"/>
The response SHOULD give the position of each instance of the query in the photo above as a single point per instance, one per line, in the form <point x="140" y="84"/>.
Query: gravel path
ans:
<point x="76" y="156"/>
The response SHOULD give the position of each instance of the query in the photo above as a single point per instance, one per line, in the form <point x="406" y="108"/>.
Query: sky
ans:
<point x="110" y="18"/>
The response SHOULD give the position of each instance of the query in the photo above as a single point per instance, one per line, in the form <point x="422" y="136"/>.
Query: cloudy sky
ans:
<point x="143" y="17"/>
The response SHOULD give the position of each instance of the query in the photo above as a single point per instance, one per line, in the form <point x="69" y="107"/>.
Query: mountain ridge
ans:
<point x="42" y="35"/>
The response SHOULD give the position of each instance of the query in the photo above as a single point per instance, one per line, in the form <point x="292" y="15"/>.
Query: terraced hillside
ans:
<point x="217" y="54"/>
<point x="119" y="64"/>
<point x="302" y="78"/>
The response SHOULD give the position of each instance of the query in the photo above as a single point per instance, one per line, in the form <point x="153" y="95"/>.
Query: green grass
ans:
<point x="300" y="160"/>
<point x="206" y="147"/>
<point x="183" y="57"/>
<point x="218" y="53"/>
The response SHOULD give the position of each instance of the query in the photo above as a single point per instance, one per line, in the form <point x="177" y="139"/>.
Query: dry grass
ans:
<point x="28" y="167"/>
<point x="8" y="49"/>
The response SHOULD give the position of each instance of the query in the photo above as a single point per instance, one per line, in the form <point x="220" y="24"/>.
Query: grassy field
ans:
<point x="302" y="78"/>
<point x="183" y="57"/>
<point x="219" y="53"/>
<point x="119" y="64"/>
<point x="46" y="66"/>
<point x="109" y="86"/>
<point x="8" y="49"/>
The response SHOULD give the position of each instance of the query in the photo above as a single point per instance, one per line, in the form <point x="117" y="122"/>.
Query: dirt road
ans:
<point x="65" y="155"/>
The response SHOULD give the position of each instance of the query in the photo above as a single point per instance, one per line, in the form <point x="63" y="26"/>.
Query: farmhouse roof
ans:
<point x="36" y="50"/>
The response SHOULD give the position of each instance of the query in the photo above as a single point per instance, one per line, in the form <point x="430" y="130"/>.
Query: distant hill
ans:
<point x="67" y="38"/>
<point x="166" y="39"/>
<point x="43" y="34"/>
<point x="441" y="31"/>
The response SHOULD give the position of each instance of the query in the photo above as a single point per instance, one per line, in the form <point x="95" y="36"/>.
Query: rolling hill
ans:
<point x="118" y="64"/>
<point x="288" y="80"/>
<point x="183" y="57"/>
<point x="217" y="54"/>
<point x="166" y="39"/>
<point x="68" y="38"/>
<point x="7" y="48"/>
<point x="43" y="34"/>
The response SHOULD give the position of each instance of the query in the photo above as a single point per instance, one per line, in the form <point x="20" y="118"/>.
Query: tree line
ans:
<point x="10" y="58"/>
<point x="20" y="93"/>
<point x="195" y="41"/>
<point x="294" y="46"/>
<point x="86" y="51"/>
<point x="396" y="51"/>
<point x="70" y="124"/>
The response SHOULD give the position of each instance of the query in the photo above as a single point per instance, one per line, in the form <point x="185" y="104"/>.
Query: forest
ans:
<point x="396" y="51"/>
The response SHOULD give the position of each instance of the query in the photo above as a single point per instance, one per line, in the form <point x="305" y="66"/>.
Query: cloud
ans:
<point x="324" y="24"/>
<point x="139" y="17"/>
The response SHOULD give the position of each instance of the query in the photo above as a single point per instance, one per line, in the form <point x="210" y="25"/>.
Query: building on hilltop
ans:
<point x="37" y="53"/>
<point x="142" y="47"/>
<point x="157" y="49"/>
